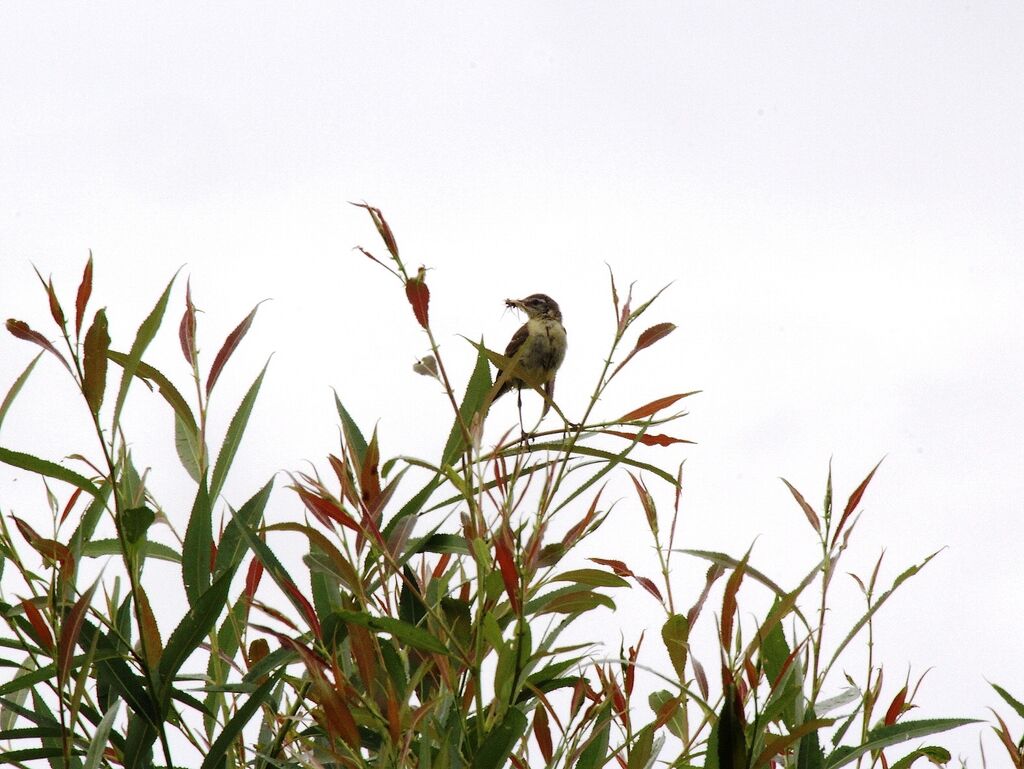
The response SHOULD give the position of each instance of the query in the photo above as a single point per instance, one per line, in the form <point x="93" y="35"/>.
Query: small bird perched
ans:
<point x="538" y="346"/>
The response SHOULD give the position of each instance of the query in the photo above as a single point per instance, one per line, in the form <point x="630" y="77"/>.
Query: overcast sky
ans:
<point x="834" y="190"/>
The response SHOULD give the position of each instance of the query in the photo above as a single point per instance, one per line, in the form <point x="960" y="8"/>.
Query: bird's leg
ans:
<point x="519" y="406"/>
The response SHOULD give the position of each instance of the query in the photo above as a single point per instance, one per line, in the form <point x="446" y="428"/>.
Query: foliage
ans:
<point x="426" y="627"/>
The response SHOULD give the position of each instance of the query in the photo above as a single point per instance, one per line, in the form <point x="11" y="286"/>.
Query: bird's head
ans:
<point x="537" y="306"/>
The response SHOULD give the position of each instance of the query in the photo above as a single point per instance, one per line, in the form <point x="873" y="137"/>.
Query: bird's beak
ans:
<point x="517" y="303"/>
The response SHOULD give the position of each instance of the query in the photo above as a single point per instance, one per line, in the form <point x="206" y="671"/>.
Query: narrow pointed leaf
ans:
<point x="195" y="550"/>
<point x="884" y="736"/>
<point x="143" y="337"/>
<point x="229" y="346"/>
<point x="47" y="468"/>
<point x="852" y="503"/>
<point x="22" y="330"/>
<point x="187" y="327"/>
<point x="418" y="294"/>
<point x="476" y="394"/>
<point x="69" y="633"/>
<point x="238" y="721"/>
<point x="812" y="517"/>
<point x="234" y="436"/>
<point x="82" y="298"/>
<point x="16" y="387"/>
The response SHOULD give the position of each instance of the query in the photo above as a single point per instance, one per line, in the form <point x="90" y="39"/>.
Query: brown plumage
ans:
<point x="540" y="345"/>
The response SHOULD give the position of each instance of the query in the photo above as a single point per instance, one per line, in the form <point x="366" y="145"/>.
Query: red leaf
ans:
<point x="647" y="501"/>
<point x="577" y="531"/>
<point x="56" y="311"/>
<point x="305" y="606"/>
<point x="648" y="439"/>
<point x="714" y="572"/>
<point x="653" y="334"/>
<point x="253" y="577"/>
<point x="187" y="328"/>
<point x="418" y="294"/>
<point x="71" y="503"/>
<point x="542" y="732"/>
<point x="655" y="406"/>
<point x="812" y="517"/>
<point x="42" y="632"/>
<point x="383" y="228"/>
<point x="21" y="330"/>
<point x="84" y="292"/>
<point x="896" y="707"/>
<point x="700" y="675"/>
<point x="853" y="502"/>
<point x="507" y="565"/>
<point x="650" y="587"/>
<point x="228" y="348"/>
<point x="729" y="601"/>
<point x="618" y="567"/>
<point x="69" y="633"/>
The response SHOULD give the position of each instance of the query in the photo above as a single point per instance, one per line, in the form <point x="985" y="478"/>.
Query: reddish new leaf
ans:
<point x="648" y="439"/>
<point x="21" y="330"/>
<point x="253" y="577"/>
<point x="729" y="601"/>
<point x="305" y="606"/>
<point x="655" y="406"/>
<point x="69" y="632"/>
<point x="618" y="567"/>
<point x="82" y="299"/>
<point x="650" y="587"/>
<point x="228" y="348"/>
<point x="647" y="501"/>
<point x="507" y="566"/>
<point x="542" y="733"/>
<point x="71" y="503"/>
<point x="896" y="707"/>
<point x="852" y="503"/>
<point x="418" y="294"/>
<point x="812" y="517"/>
<point x="56" y="311"/>
<point x="653" y="334"/>
<point x="187" y="327"/>
<point x="42" y="631"/>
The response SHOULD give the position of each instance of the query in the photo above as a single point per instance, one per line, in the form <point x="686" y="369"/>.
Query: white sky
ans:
<point x="836" y="190"/>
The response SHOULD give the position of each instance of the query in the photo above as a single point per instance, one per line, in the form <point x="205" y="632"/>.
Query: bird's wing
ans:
<point x="517" y="341"/>
<point x="510" y="352"/>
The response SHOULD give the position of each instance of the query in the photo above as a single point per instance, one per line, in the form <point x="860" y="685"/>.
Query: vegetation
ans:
<point x="428" y="623"/>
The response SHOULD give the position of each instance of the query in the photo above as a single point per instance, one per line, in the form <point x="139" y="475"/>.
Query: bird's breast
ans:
<point x="546" y="345"/>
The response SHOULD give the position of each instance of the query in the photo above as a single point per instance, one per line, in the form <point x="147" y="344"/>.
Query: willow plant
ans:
<point x="426" y="626"/>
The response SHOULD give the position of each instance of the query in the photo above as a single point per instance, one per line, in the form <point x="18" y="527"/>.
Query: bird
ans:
<point x="538" y="348"/>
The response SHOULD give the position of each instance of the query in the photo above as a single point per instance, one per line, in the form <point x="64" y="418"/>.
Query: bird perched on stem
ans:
<point x="538" y="349"/>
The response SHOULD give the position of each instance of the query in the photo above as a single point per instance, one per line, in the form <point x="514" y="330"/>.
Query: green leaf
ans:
<point x="476" y="393"/>
<point x="500" y="740"/>
<point x="215" y="756"/>
<point x="94" y="380"/>
<point x="169" y="392"/>
<point x="938" y="755"/>
<point x="234" y="436"/>
<point x="884" y="736"/>
<point x="190" y="632"/>
<point x="189" y="449"/>
<point x="101" y="547"/>
<point x="675" y="634"/>
<point x="596" y="752"/>
<point x="98" y="743"/>
<point x="577" y="603"/>
<point x="353" y="437"/>
<point x="196" y="548"/>
<point x="403" y="631"/>
<point x="1008" y="699"/>
<point x="16" y="387"/>
<point x="83" y="536"/>
<point x="594" y="577"/>
<point x="135" y="522"/>
<point x="233" y="546"/>
<point x="143" y="337"/>
<point x="49" y="469"/>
